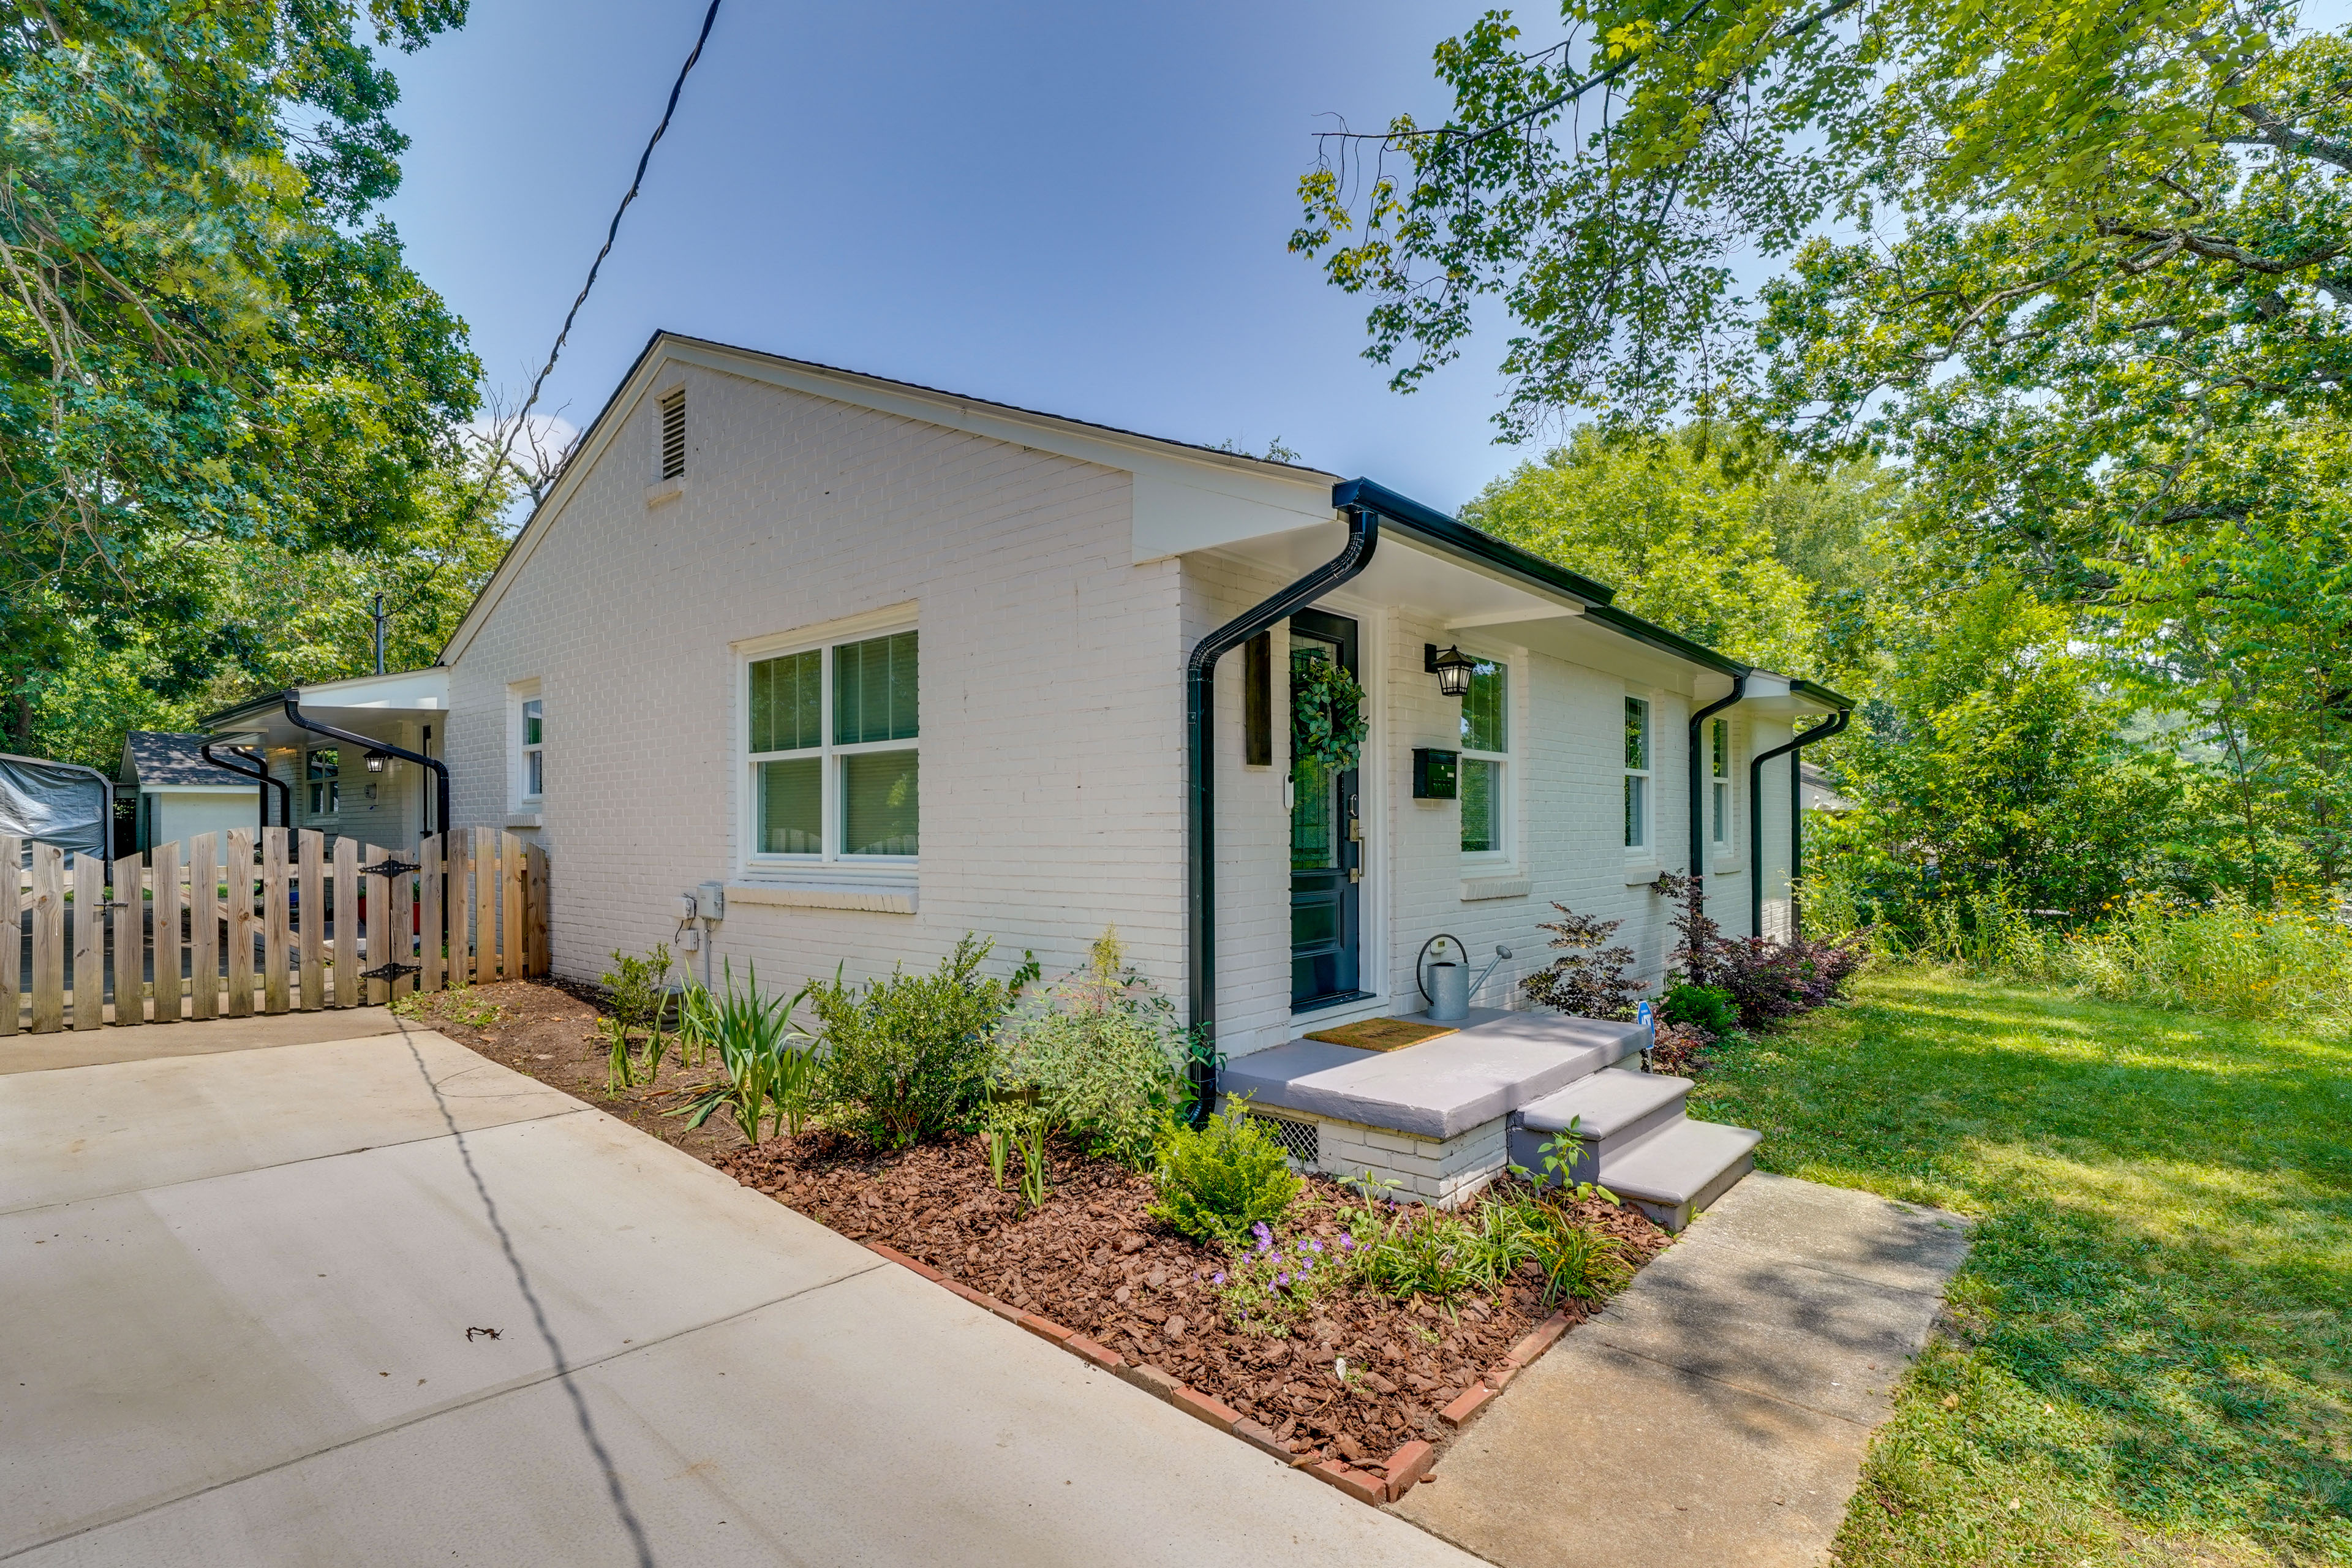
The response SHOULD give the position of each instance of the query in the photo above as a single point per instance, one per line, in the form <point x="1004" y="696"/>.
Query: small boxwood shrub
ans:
<point x="1707" y="1007"/>
<point x="1217" y="1180"/>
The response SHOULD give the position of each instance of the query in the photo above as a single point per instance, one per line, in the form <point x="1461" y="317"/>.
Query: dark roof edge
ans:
<point x="1459" y="538"/>
<point x="1819" y="693"/>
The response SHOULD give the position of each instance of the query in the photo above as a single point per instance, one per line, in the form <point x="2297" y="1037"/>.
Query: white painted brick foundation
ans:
<point x="1426" y="1170"/>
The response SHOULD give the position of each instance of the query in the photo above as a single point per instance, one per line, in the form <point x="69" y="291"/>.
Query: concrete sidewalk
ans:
<point x="379" y="1299"/>
<point x="1718" y="1410"/>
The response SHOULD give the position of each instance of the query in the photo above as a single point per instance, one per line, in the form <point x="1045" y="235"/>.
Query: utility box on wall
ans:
<point x="1432" y="773"/>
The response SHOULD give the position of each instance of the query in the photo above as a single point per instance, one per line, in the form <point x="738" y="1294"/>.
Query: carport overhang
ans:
<point x="372" y="705"/>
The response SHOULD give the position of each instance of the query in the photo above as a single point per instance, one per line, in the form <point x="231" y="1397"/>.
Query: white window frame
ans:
<point x="519" y="749"/>
<point x="1723" y="831"/>
<point x="1505" y="854"/>
<point x="334" y="785"/>
<point x="1641" y="823"/>
<point x="831" y="863"/>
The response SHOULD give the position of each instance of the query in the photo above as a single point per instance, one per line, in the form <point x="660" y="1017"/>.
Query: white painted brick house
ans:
<point x="744" y="543"/>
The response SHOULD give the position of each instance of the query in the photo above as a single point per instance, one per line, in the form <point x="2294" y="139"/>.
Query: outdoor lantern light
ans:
<point x="1452" y="669"/>
<point x="378" y="761"/>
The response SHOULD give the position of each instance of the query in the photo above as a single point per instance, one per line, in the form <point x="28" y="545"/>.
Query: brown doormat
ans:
<point x="1381" y="1034"/>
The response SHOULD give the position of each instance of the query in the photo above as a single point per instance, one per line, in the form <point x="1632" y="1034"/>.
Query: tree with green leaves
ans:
<point x="1693" y="536"/>
<point x="207" y="349"/>
<point x="2085" y="269"/>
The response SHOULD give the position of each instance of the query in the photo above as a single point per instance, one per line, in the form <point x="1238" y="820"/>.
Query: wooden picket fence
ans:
<point x="228" y="925"/>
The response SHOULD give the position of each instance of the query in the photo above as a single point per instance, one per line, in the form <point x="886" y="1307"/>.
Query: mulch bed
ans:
<point x="1092" y="1260"/>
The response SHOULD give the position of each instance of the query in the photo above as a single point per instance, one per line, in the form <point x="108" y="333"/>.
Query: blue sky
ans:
<point x="1078" y="208"/>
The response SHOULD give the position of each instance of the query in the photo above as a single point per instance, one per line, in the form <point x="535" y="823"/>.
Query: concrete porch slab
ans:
<point x="1489" y="1067"/>
<point x="145" y="1042"/>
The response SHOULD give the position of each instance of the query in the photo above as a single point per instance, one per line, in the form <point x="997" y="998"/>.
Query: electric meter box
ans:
<point x="1434" y="773"/>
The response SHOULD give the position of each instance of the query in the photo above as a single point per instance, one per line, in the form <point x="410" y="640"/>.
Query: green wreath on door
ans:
<point x="1327" y="715"/>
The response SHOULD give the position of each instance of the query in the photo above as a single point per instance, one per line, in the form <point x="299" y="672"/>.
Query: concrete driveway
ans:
<point x="279" y="1297"/>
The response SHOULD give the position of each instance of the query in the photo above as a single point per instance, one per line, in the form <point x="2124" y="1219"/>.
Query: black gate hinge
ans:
<point x="392" y="971"/>
<point x="389" y="867"/>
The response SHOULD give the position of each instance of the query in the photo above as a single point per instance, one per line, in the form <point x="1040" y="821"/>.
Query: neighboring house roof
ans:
<point x="162" y="759"/>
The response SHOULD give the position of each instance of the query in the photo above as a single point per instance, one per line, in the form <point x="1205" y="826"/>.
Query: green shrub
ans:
<point x="1708" y="1007"/>
<point x="1102" y="1053"/>
<point x="1217" y="1180"/>
<point x="907" y="1058"/>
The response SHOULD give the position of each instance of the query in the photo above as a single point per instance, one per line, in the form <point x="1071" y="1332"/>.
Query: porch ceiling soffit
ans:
<point x="1187" y="497"/>
<point x="1438" y="586"/>
<point x="386" y="706"/>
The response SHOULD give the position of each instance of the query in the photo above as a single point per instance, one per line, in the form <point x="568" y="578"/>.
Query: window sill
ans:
<point x="664" y="492"/>
<point x="523" y="819"/>
<point x="893" y="897"/>
<point x="1641" y="872"/>
<point x="1729" y="868"/>
<point x="1474" y="889"/>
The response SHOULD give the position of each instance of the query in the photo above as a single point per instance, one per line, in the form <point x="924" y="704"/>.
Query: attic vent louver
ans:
<point x="673" y="435"/>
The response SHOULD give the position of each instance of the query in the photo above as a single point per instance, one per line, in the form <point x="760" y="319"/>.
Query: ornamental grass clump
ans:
<point x="1217" y="1180"/>
<point x="1101" y="1054"/>
<point x="907" y="1058"/>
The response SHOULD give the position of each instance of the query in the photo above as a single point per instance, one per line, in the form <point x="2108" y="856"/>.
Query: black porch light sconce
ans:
<point x="1452" y="667"/>
<point x="378" y="761"/>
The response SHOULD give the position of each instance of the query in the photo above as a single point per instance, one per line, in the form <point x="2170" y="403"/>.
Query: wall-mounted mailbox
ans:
<point x="1432" y="773"/>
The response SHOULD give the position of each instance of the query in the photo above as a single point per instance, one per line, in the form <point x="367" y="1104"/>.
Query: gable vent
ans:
<point x="673" y="435"/>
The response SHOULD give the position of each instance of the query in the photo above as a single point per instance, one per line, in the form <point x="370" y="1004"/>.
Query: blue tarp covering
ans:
<point x="55" y="803"/>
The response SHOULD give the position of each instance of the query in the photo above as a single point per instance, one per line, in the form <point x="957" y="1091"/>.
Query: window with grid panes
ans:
<point x="835" y="764"/>
<point x="1719" y="783"/>
<point x="1482" y="785"/>
<point x="1637" y="773"/>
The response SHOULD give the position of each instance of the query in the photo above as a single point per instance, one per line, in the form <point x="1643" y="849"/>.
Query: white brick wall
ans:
<point x="1051" y="677"/>
<point x="1052" y="693"/>
<point x="1437" y="1172"/>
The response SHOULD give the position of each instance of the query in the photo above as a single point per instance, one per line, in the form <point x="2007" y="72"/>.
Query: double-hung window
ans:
<point x="1637" y="773"/>
<point x="834" y="763"/>
<point x="322" y="779"/>
<point x="1483" y="779"/>
<point x="1718" y="738"/>
<point x="534" y="749"/>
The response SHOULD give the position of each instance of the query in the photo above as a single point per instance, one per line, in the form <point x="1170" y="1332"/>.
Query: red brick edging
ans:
<point x="1384" y="1481"/>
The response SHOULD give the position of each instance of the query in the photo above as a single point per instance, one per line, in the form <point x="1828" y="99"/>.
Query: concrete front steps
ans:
<point x="1436" y="1121"/>
<point x="1633" y="1139"/>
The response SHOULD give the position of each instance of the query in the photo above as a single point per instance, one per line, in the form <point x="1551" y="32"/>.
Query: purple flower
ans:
<point x="1315" y="1246"/>
<point x="1347" y="1242"/>
<point x="1260" y="1231"/>
<point x="1217" y="1278"/>
<point x="1307" y="1268"/>
<point x="1281" y="1280"/>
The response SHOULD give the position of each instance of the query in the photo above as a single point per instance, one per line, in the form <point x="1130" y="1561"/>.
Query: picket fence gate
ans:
<point x="228" y="925"/>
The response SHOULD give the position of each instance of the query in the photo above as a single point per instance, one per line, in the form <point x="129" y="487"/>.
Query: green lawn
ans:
<point x="2153" y="1361"/>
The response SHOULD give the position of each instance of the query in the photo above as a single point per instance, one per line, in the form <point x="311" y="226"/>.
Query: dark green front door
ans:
<point x="1325" y="846"/>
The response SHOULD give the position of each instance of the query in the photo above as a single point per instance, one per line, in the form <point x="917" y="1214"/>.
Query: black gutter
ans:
<point x="1628" y="623"/>
<point x="258" y="770"/>
<point x="1200" y="705"/>
<point x="441" y="770"/>
<point x="1698" y="811"/>
<point x="1461" y="541"/>
<point x="1820" y="731"/>
<point x="1797" y="822"/>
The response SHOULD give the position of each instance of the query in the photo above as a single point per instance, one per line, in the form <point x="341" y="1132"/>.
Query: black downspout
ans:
<point x="1820" y="731"/>
<point x="258" y="772"/>
<point x="284" y="791"/>
<point x="1698" y="815"/>
<point x="1200" y="816"/>
<point x="440" y="769"/>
